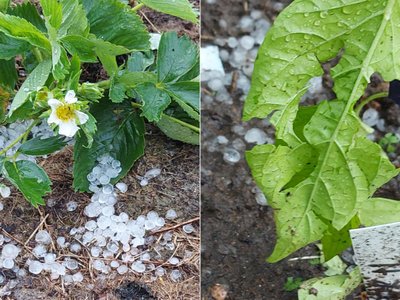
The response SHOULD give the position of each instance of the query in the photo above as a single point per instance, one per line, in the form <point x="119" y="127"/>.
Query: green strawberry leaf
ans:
<point x="179" y="8"/>
<point x="39" y="146"/>
<point x="29" y="178"/>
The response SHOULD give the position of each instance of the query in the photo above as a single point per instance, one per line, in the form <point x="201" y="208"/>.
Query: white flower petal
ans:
<point x="54" y="103"/>
<point x="68" y="128"/>
<point x="70" y="97"/>
<point x="53" y="118"/>
<point x="82" y="117"/>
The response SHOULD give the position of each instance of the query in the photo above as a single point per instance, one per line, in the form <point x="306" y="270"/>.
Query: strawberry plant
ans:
<point x="322" y="173"/>
<point x="52" y="42"/>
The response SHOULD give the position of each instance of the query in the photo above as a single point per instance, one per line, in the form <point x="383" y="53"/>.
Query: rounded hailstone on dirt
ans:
<point x="188" y="228"/>
<point x="171" y="214"/>
<point x="5" y="191"/>
<point x="175" y="275"/>
<point x="174" y="261"/>
<point x="72" y="205"/>
<point x="43" y="237"/>
<point x="256" y="135"/>
<point x="122" y="269"/>
<point x="35" y="267"/>
<point x="10" y="251"/>
<point x="138" y="267"/>
<point x="122" y="187"/>
<point x="231" y="156"/>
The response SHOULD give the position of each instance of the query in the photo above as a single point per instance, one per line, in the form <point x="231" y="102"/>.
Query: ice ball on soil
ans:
<point x="114" y="264"/>
<point x="72" y="205"/>
<point x="35" y="267"/>
<point x="108" y="189"/>
<point x="247" y="42"/>
<point x="188" y="228"/>
<point x="246" y="24"/>
<point x="371" y="117"/>
<point x="256" y="135"/>
<point x="152" y="173"/>
<point x="231" y="155"/>
<point x="171" y="214"/>
<point x="43" y="237"/>
<point x="2" y="279"/>
<point x="91" y="225"/>
<point x="8" y="263"/>
<point x="39" y="250"/>
<point x="175" y="275"/>
<point x="75" y="247"/>
<point x="93" y="210"/>
<point x="261" y="199"/>
<point x="77" y="277"/>
<point x="1" y="206"/>
<point x="138" y="267"/>
<point x="122" y="269"/>
<point x="10" y="251"/>
<point x="232" y="42"/>
<point x="5" y="191"/>
<point x="122" y="187"/>
<point x="144" y="182"/>
<point x="160" y="222"/>
<point x="160" y="271"/>
<point x="173" y="261"/>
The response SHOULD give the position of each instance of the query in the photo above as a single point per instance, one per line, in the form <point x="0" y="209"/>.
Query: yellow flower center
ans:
<point x="65" y="112"/>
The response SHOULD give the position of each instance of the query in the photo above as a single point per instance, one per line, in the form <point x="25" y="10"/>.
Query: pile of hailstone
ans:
<point x="116" y="242"/>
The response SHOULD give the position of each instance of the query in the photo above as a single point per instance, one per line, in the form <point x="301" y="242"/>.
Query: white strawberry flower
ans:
<point x="66" y="115"/>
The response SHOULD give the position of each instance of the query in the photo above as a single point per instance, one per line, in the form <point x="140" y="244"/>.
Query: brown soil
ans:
<point x="177" y="187"/>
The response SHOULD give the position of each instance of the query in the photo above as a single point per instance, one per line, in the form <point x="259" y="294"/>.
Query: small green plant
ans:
<point x="292" y="283"/>
<point x="52" y="45"/>
<point x="389" y="142"/>
<point x="321" y="175"/>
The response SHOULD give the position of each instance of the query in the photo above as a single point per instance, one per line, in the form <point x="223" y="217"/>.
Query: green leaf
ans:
<point x="178" y="130"/>
<point x="140" y="61"/>
<point x="120" y="133"/>
<point x="179" y="8"/>
<point x="334" y="241"/>
<point x="176" y="57"/>
<point x="188" y="92"/>
<point x="8" y="73"/>
<point x="19" y="28"/>
<point x="38" y="146"/>
<point x="4" y="4"/>
<point x="28" y="11"/>
<point x="52" y="11"/>
<point x="89" y="129"/>
<point x="379" y="211"/>
<point x="74" y="73"/>
<point x="29" y="178"/>
<point x="124" y="28"/>
<point x="154" y="101"/>
<point x="74" y="20"/>
<point x="309" y="32"/>
<point x="35" y="80"/>
<point x="88" y="49"/>
<point x="9" y="47"/>
<point x="330" y="288"/>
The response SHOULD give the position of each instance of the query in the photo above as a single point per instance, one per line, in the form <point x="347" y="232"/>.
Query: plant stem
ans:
<point x="190" y="126"/>
<point x="105" y="84"/>
<point x="137" y="7"/>
<point x="22" y="136"/>
<point x="373" y="97"/>
<point x="37" y="54"/>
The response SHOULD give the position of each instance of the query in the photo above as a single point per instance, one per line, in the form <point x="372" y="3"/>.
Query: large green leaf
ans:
<point x="29" y="178"/>
<point x="28" y="11"/>
<point x="21" y="29"/>
<point x="39" y="146"/>
<point x="154" y="101"/>
<point x="188" y="92"/>
<point x="379" y="211"/>
<point x="8" y="73"/>
<point x="35" y="80"/>
<point x="9" y="47"/>
<point x="88" y="49"/>
<point x="178" y="130"/>
<point x="52" y="11"/>
<point x="74" y="20"/>
<point x="120" y="133"/>
<point x="4" y="4"/>
<point x="179" y="8"/>
<point x="346" y="168"/>
<point x="311" y="31"/>
<point x="112" y="21"/>
<point x="176" y="57"/>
